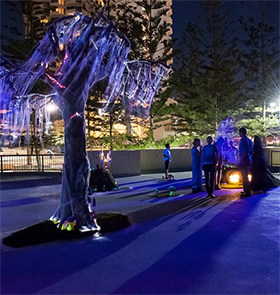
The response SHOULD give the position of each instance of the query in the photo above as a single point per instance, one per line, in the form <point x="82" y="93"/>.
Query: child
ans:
<point x="167" y="159"/>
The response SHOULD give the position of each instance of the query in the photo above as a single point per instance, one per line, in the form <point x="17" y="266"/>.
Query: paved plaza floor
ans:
<point x="184" y="244"/>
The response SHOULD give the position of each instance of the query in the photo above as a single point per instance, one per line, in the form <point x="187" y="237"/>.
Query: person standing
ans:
<point x="167" y="159"/>
<point x="209" y="161"/>
<point x="245" y="154"/>
<point x="196" y="166"/>
<point x="262" y="178"/>
<point x="220" y="162"/>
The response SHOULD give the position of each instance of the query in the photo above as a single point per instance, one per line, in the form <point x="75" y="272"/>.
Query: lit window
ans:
<point x="101" y="3"/>
<point x="120" y="128"/>
<point x="44" y="21"/>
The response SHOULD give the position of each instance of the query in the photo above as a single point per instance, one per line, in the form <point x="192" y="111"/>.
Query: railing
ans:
<point x="275" y="158"/>
<point x="38" y="163"/>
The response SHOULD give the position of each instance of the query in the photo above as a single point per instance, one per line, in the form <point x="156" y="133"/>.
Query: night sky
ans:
<point x="189" y="11"/>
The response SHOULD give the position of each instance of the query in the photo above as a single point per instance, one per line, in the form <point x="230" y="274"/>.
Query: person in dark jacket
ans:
<point x="245" y="154"/>
<point x="196" y="166"/>
<point x="262" y="178"/>
<point x="209" y="161"/>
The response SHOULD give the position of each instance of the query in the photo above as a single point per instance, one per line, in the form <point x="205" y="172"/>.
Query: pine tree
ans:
<point x="142" y="23"/>
<point x="220" y="70"/>
<point x="261" y="56"/>
<point x="128" y="20"/>
<point x="92" y="7"/>
<point x="186" y="82"/>
<point x="260" y="61"/>
<point x="156" y="45"/>
<point x="208" y="88"/>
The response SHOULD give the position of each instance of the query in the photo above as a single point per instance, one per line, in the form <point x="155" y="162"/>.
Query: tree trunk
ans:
<point x="129" y="130"/>
<point x="111" y="123"/>
<point x="76" y="170"/>
<point x="151" y="123"/>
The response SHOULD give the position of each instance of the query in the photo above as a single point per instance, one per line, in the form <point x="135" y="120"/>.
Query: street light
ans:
<point x="51" y="107"/>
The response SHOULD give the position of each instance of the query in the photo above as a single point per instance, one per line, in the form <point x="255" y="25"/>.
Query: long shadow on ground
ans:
<point x="38" y="267"/>
<point x="193" y="257"/>
<point x="19" y="184"/>
<point x="28" y="201"/>
<point x="160" y="186"/>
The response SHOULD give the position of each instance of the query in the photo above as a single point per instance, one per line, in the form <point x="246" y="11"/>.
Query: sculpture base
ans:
<point x="47" y="231"/>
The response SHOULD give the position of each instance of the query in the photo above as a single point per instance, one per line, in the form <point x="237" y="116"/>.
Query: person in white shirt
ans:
<point x="167" y="159"/>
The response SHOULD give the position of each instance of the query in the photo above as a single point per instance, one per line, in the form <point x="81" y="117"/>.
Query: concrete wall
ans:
<point x="152" y="160"/>
<point x="273" y="158"/>
<point x="124" y="163"/>
<point x="129" y="163"/>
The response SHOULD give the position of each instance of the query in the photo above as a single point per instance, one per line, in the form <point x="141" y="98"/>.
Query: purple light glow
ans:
<point x="89" y="50"/>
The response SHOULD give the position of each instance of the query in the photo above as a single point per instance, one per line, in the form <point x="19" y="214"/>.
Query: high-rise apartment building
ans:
<point x="12" y="25"/>
<point x="40" y="13"/>
<point x="46" y="11"/>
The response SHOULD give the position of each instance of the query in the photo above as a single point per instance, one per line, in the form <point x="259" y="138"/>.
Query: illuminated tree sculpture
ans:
<point x="90" y="51"/>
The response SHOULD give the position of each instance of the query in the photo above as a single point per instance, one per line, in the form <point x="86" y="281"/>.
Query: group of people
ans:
<point x="249" y="158"/>
<point x="211" y="157"/>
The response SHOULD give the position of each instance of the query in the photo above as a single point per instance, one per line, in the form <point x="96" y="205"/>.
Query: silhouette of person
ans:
<point x="220" y="162"/>
<point x="262" y="178"/>
<point x="245" y="154"/>
<point x="196" y="166"/>
<point x="209" y="161"/>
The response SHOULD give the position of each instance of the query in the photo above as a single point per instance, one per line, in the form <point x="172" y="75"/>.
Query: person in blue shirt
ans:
<point x="167" y="159"/>
<point x="209" y="162"/>
<point x="196" y="166"/>
<point x="245" y="154"/>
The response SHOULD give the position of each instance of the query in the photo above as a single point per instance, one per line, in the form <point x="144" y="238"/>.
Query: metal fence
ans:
<point x="32" y="163"/>
<point x="43" y="163"/>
